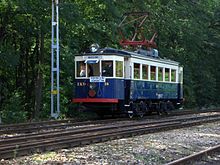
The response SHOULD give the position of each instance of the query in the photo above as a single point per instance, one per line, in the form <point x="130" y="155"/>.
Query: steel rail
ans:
<point x="74" y="139"/>
<point x="196" y="156"/>
<point x="82" y="129"/>
<point x="31" y="127"/>
<point x="17" y="139"/>
<point x="37" y="126"/>
<point x="41" y="123"/>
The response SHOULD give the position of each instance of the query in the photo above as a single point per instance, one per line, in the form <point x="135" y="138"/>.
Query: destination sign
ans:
<point x="97" y="79"/>
<point x="91" y="57"/>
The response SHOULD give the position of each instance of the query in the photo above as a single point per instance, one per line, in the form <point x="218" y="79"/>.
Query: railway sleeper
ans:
<point x="65" y="143"/>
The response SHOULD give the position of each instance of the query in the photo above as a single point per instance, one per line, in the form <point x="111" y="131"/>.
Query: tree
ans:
<point x="188" y="32"/>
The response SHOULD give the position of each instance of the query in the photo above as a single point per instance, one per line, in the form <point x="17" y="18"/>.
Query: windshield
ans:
<point x="93" y="69"/>
<point x="103" y="68"/>
<point x="87" y="68"/>
<point x="107" y="68"/>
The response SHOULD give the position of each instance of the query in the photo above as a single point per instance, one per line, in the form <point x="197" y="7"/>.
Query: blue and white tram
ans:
<point x="119" y="81"/>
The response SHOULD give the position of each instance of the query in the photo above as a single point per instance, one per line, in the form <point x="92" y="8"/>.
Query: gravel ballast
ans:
<point x="157" y="148"/>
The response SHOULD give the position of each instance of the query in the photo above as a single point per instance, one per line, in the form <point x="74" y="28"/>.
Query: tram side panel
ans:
<point x="145" y="90"/>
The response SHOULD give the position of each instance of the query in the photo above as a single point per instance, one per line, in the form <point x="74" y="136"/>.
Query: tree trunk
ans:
<point x="39" y="79"/>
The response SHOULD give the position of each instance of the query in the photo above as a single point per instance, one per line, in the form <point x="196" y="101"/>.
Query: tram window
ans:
<point x="119" y="69"/>
<point x="181" y="75"/>
<point x="145" y="72"/>
<point x="167" y="74"/>
<point x="160" y="74"/>
<point x="90" y="70"/>
<point x="153" y="72"/>
<point x="136" y="71"/>
<point x="173" y="75"/>
<point x="81" y="69"/>
<point x="107" y="68"/>
<point x="93" y="69"/>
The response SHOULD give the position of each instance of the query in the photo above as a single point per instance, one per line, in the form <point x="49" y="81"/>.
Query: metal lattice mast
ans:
<point x="55" y="91"/>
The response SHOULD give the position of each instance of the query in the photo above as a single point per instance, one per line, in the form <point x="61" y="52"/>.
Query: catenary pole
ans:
<point x="55" y="72"/>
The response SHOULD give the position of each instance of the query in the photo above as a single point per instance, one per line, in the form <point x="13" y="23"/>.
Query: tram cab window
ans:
<point x="160" y="74"/>
<point x="107" y="68"/>
<point x="93" y="69"/>
<point x="167" y="74"/>
<point x="153" y="72"/>
<point x="173" y="75"/>
<point x="145" y="72"/>
<point x="136" y="71"/>
<point x="119" y="69"/>
<point x="90" y="70"/>
<point x="81" y="69"/>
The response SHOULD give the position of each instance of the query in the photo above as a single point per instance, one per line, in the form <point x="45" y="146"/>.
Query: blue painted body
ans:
<point x="112" y="88"/>
<point x="153" y="90"/>
<point x="128" y="89"/>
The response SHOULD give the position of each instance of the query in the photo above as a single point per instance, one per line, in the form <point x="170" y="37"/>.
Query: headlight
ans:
<point x="94" y="48"/>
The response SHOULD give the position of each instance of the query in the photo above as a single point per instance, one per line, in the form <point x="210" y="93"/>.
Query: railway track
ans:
<point x="38" y="126"/>
<point x="60" y="124"/>
<point x="191" y="159"/>
<point x="46" y="141"/>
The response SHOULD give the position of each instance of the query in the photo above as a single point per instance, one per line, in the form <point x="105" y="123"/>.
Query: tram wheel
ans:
<point x="141" y="114"/>
<point x="141" y="109"/>
<point x="131" y="110"/>
<point x="130" y="115"/>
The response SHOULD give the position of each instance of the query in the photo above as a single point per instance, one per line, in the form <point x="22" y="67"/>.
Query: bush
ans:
<point x="13" y="110"/>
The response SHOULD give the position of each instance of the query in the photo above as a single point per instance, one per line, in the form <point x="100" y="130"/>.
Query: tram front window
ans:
<point x="93" y="69"/>
<point x="81" y="69"/>
<point x="107" y="68"/>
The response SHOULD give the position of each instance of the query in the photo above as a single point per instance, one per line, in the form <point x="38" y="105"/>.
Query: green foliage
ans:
<point x="188" y="32"/>
<point x="13" y="110"/>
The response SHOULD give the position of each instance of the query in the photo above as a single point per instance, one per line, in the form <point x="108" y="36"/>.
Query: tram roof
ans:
<point x="111" y="51"/>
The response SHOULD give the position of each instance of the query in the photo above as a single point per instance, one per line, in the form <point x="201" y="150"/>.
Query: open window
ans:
<point x="80" y="69"/>
<point x="119" y="69"/>
<point x="136" y="71"/>
<point x="167" y="74"/>
<point x="93" y="69"/>
<point x="145" y="72"/>
<point x="107" y="68"/>
<point x="173" y="75"/>
<point x="153" y="72"/>
<point x="160" y="74"/>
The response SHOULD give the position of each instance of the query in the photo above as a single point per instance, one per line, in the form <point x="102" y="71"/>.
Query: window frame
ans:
<point x="175" y="77"/>
<point x="160" y="71"/>
<point x="155" y="73"/>
<point x="112" y="68"/>
<point x="147" y="71"/>
<point x="78" y="69"/>
<point x="116" y="67"/>
<point x="139" y="77"/>
<point x="167" y="74"/>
